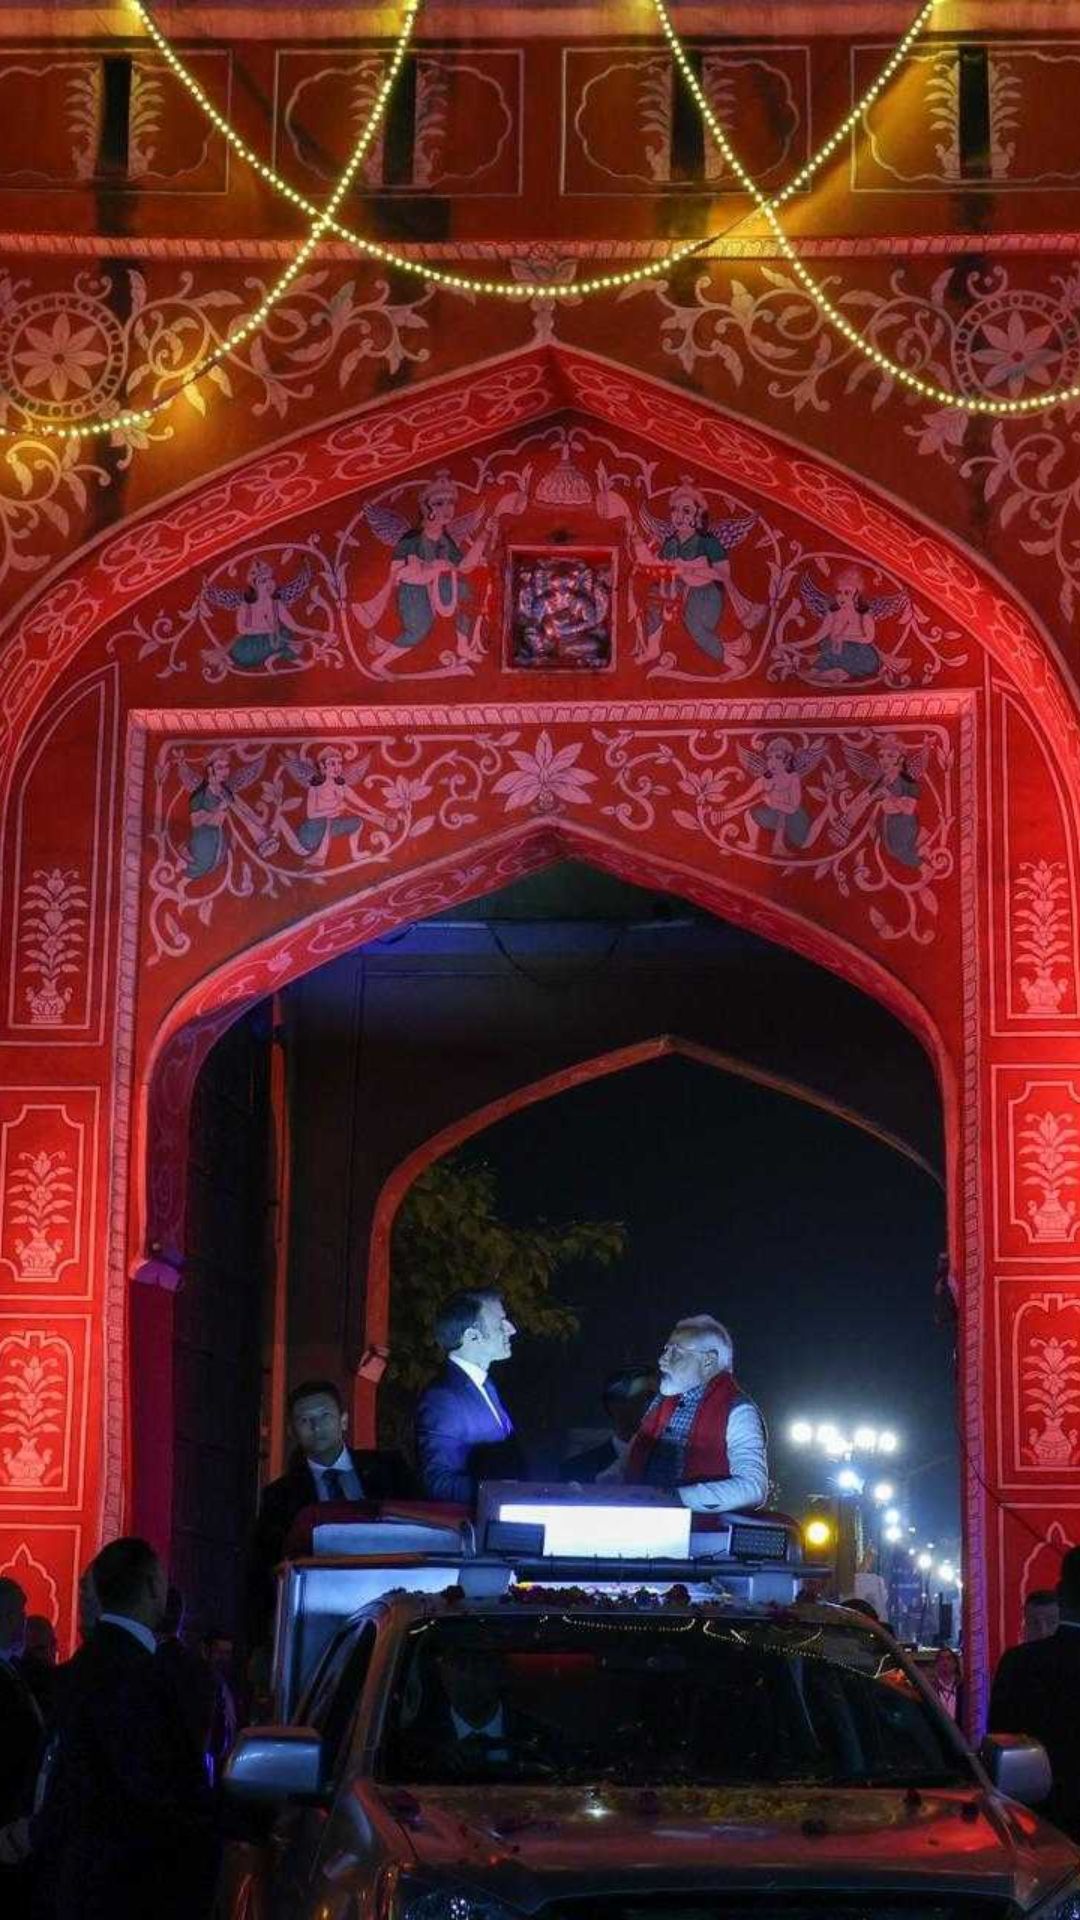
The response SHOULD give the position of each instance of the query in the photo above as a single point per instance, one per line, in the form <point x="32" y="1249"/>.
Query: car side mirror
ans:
<point x="1017" y="1766"/>
<point x="271" y="1764"/>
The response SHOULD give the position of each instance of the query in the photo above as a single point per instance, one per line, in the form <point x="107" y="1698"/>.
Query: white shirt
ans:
<point x="871" y="1587"/>
<point x="478" y="1376"/>
<point x="493" y="1730"/>
<point x="350" y="1484"/>
<point x="135" y="1627"/>
<point x="747" y="1484"/>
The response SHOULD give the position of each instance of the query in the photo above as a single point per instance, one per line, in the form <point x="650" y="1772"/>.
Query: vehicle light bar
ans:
<point x="593" y="1531"/>
<point x="754" y="1541"/>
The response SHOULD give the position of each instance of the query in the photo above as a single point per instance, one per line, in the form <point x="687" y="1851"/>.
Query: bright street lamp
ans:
<point x="892" y="1535"/>
<point x="924" y="1563"/>
<point x="801" y="1433"/>
<point x="887" y="1441"/>
<point x="892" y="1518"/>
<point x="883" y="1492"/>
<point x="848" y="1480"/>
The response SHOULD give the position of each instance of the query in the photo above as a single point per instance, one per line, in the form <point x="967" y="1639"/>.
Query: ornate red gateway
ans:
<point x="452" y="598"/>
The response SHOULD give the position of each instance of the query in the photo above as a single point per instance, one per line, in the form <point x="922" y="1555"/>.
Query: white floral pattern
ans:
<point x="1005" y="340"/>
<point x="860" y="810"/>
<point x="545" y="779"/>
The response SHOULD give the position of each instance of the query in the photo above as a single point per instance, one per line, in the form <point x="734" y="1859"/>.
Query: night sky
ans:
<point x="813" y="1242"/>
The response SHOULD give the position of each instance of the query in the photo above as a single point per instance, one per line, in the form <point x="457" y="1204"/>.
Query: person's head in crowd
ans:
<point x="1041" y="1614"/>
<point x="1068" y="1592"/>
<point x="475" y="1326"/>
<point x="217" y="1650"/>
<point x="697" y="1349"/>
<point x="946" y="1669"/>
<point x="39" y="1642"/>
<point x="468" y="1676"/>
<point x="626" y="1396"/>
<point x="855" y="1604"/>
<point x="12" y="1618"/>
<point x="89" y="1604"/>
<point x="130" y="1582"/>
<point x="318" y="1420"/>
<point x="172" y="1624"/>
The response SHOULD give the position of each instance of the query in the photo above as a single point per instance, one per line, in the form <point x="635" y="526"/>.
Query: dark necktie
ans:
<point x="506" y="1425"/>
<point x="333" y="1483"/>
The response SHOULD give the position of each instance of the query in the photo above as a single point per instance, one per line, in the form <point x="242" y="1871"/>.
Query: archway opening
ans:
<point x="563" y="1009"/>
<point x="807" y="1228"/>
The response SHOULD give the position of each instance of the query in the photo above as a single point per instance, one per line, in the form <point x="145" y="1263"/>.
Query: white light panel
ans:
<point x="588" y="1532"/>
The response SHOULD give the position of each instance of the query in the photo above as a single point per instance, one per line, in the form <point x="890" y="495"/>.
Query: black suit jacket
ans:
<point x="1036" y="1691"/>
<point x="127" y="1828"/>
<point x="22" y="1741"/>
<point x="382" y="1475"/>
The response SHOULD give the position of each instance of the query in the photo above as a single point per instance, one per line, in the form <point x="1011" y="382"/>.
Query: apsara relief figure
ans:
<point x="689" y="558"/>
<point x="774" y="801"/>
<point x="428" y="576"/>
<point x="333" y="810"/>
<point x="845" y="638"/>
<point x="894" y="776"/>
<point x="213" y="794"/>
<point x="265" y="630"/>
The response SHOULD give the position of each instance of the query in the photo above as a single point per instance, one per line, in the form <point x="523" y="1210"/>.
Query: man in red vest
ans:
<point x="702" y="1436"/>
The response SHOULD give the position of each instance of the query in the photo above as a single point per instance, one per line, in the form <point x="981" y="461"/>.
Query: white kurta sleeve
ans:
<point x="747" y="1484"/>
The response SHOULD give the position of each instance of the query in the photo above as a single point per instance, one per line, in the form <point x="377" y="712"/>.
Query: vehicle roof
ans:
<point x="453" y="1605"/>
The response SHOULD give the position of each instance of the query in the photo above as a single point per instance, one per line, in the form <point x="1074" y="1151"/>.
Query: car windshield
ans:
<point x="699" y="1699"/>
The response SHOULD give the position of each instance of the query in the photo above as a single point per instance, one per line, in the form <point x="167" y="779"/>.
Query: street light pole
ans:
<point x="826" y="1440"/>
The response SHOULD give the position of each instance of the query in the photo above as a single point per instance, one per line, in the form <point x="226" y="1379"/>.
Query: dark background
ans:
<point x="813" y="1242"/>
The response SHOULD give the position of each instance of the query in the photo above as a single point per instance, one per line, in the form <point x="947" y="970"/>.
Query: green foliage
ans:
<point x="448" y="1234"/>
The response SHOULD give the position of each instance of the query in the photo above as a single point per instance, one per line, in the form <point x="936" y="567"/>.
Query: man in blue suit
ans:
<point x="463" y="1432"/>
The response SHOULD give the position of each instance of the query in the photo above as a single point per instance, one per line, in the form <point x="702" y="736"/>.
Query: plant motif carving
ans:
<point x="41" y="1192"/>
<point x="34" y="1387"/>
<point x="1050" y="1154"/>
<point x="52" y="935"/>
<point x="1042" y="939"/>
<point x="1051" y="1393"/>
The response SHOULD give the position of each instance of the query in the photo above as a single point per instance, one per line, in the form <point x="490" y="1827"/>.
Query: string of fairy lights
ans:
<point x="324" y="221"/>
<point x="524" y="289"/>
<point x="242" y="330"/>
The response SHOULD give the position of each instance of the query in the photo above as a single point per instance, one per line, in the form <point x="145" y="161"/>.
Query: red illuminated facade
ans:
<point x="386" y="611"/>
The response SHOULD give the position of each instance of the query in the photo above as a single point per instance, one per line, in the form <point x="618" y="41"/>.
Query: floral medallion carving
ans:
<point x="62" y="355"/>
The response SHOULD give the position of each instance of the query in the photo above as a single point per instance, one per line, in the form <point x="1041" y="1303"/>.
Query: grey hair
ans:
<point x="712" y="1334"/>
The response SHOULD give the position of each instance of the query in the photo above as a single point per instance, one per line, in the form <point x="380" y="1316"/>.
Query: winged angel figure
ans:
<point x="431" y="559"/>
<point x="333" y="809"/>
<point x="265" y="630"/>
<point x="214" y="795"/>
<point x="774" y="800"/>
<point x="893" y="774"/>
<point x="845" y="636"/>
<point x="689" y="554"/>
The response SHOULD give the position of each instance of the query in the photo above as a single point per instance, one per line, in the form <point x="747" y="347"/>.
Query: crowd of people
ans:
<point x="107" y="1804"/>
<point x="109" y="1761"/>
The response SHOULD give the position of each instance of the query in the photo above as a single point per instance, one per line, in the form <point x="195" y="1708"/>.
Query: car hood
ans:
<point x="538" y="1843"/>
